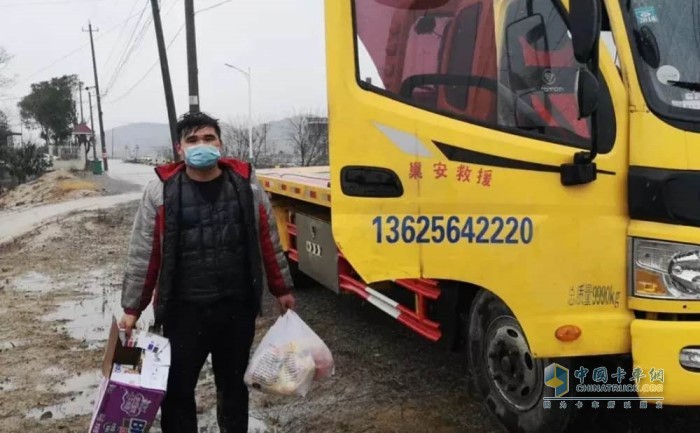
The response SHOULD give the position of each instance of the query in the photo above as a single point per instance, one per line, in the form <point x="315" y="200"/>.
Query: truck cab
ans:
<point x="534" y="191"/>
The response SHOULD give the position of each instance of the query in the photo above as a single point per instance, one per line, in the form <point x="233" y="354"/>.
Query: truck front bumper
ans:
<point x="673" y="347"/>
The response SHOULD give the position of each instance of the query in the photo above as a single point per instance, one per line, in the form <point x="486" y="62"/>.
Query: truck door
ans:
<point x="449" y="121"/>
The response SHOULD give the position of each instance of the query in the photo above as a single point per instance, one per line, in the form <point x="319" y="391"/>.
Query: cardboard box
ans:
<point x="135" y="377"/>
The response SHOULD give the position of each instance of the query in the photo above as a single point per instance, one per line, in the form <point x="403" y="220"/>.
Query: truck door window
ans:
<point x="505" y="64"/>
<point x="541" y="71"/>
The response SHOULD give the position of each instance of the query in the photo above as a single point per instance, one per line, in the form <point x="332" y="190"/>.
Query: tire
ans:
<point x="505" y="376"/>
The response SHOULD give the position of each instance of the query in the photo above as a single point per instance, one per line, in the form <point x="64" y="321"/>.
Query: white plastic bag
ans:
<point x="289" y="358"/>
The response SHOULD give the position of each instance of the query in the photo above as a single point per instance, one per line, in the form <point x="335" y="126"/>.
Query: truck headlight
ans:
<point x="666" y="270"/>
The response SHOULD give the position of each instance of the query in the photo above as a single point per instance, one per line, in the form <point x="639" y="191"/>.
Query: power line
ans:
<point x="140" y="80"/>
<point x="109" y="30"/>
<point x="46" y="3"/>
<point x="62" y="58"/>
<point x="131" y="51"/>
<point x="80" y="48"/>
<point x="213" y="6"/>
<point x="127" y="47"/>
<point x="165" y="74"/>
<point x="114" y="47"/>
<point x="170" y="9"/>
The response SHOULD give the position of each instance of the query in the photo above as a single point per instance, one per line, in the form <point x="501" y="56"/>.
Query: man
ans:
<point x="205" y="237"/>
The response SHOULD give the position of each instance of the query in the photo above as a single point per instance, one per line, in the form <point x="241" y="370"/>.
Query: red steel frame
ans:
<point x="424" y="290"/>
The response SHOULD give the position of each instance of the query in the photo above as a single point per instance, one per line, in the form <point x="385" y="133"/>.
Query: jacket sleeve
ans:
<point x="144" y="254"/>
<point x="279" y="277"/>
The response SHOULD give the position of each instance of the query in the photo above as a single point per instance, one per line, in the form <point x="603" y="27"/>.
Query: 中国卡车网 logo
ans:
<point x="557" y="377"/>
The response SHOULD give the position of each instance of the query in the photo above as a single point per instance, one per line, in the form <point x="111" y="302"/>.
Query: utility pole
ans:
<point x="167" y="84"/>
<point x="192" y="56"/>
<point x="99" y="102"/>
<point x="112" y="142"/>
<point x="82" y="118"/>
<point x="80" y="89"/>
<point x="92" y="126"/>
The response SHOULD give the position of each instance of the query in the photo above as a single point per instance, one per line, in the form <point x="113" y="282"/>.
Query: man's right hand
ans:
<point x="128" y="323"/>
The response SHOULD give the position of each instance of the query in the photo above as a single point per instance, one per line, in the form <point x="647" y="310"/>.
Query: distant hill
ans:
<point x="149" y="137"/>
<point x="154" y="137"/>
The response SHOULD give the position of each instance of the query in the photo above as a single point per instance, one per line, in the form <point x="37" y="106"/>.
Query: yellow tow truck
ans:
<point x="502" y="183"/>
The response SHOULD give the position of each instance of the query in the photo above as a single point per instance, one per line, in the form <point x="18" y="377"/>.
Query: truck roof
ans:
<point x="310" y="184"/>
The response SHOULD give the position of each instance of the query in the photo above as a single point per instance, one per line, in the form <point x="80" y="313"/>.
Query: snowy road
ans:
<point x="14" y="224"/>
<point x="132" y="173"/>
<point x="17" y="223"/>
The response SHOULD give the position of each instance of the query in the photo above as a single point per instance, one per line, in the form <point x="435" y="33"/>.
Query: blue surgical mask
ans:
<point x="202" y="156"/>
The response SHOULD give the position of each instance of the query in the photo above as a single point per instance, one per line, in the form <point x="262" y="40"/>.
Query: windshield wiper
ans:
<point x="685" y="85"/>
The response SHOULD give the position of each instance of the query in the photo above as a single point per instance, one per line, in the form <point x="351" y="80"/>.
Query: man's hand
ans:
<point x="286" y="302"/>
<point x="128" y="322"/>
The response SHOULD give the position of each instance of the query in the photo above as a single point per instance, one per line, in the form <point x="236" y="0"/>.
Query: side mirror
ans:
<point x="587" y="89"/>
<point x="585" y="21"/>
<point x="583" y="170"/>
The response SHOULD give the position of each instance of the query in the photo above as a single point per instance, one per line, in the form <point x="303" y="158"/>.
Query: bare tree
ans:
<point x="308" y="135"/>
<point x="4" y="60"/>
<point x="235" y="140"/>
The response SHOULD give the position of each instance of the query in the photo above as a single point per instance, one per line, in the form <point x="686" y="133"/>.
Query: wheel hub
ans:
<point x="515" y="374"/>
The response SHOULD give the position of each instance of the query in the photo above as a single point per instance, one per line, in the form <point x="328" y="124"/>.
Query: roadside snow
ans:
<point x="133" y="173"/>
<point x="16" y="223"/>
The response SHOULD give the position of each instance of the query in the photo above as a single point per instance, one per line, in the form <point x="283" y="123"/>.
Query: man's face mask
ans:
<point x="202" y="156"/>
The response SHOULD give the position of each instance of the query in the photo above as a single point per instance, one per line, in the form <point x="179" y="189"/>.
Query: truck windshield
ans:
<point x="666" y="38"/>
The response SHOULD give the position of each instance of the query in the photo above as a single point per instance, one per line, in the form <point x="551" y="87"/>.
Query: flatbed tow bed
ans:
<point x="302" y="196"/>
<point x="310" y="184"/>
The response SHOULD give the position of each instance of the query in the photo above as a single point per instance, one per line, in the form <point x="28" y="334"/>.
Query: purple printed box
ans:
<point x="128" y="399"/>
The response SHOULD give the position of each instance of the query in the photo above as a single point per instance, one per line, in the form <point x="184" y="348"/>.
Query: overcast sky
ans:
<point x="282" y="41"/>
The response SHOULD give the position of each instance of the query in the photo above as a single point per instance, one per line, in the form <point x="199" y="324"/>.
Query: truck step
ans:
<point x="411" y="319"/>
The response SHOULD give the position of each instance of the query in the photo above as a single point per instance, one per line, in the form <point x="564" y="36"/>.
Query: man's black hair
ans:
<point x="193" y="122"/>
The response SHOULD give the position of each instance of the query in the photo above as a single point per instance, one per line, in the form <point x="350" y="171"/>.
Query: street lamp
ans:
<point x="250" y="110"/>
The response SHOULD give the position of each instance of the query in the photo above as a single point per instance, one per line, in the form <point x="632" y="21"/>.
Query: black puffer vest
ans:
<point x="212" y="259"/>
<point x="172" y="189"/>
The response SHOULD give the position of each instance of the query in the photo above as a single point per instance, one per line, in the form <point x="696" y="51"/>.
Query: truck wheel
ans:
<point x="504" y="374"/>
